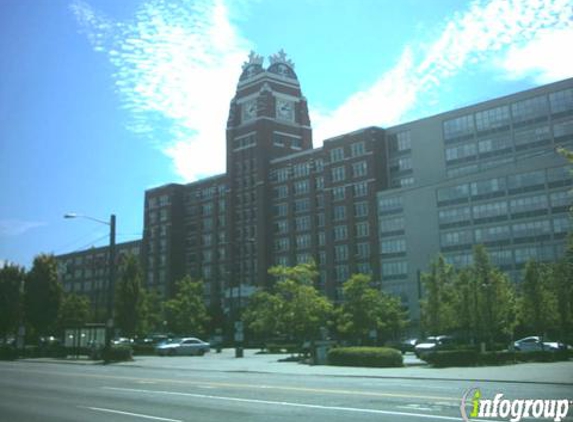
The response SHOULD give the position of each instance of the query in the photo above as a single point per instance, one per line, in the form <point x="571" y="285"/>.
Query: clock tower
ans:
<point x="268" y="119"/>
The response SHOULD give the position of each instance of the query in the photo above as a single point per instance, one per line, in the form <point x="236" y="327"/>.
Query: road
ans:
<point x="63" y="392"/>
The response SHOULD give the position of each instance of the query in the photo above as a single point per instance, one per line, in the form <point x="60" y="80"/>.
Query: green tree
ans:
<point x="293" y="309"/>
<point x="561" y="284"/>
<point x="438" y="306"/>
<point x="186" y="313"/>
<point x="129" y="297"/>
<point x="496" y="301"/>
<point x="303" y="310"/>
<point x="365" y="309"/>
<point x="465" y="305"/>
<point x="74" y="311"/>
<point x="43" y="295"/>
<point x="11" y="279"/>
<point x="151" y="317"/>
<point x="261" y="315"/>
<point x="538" y="303"/>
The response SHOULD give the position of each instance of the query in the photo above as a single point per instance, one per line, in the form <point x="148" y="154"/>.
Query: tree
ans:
<point x="366" y="308"/>
<point x="495" y="298"/>
<point x="11" y="279"/>
<point x="43" y="295"/>
<point x="538" y="303"/>
<point x="561" y="284"/>
<point x="438" y="306"/>
<point x="74" y="311"/>
<point x="129" y="297"/>
<point x="465" y="306"/>
<point x="151" y="317"/>
<point x="294" y="309"/>
<point x="186" y="313"/>
<point x="261" y="315"/>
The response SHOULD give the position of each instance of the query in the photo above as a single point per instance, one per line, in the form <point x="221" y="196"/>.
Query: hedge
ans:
<point x="8" y="353"/>
<point x="473" y="358"/>
<point x="379" y="357"/>
<point x="117" y="354"/>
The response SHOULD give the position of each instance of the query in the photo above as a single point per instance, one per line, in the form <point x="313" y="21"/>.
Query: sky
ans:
<point x="103" y="99"/>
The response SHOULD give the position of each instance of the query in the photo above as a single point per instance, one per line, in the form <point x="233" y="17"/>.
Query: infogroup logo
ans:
<point x="513" y="410"/>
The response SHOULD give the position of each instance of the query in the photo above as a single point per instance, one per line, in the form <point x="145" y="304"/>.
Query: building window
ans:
<point x="361" y="189"/>
<point x="361" y="209"/>
<point x="561" y="101"/>
<point x="358" y="148"/>
<point x="461" y="152"/>
<point x="459" y="127"/>
<point x="302" y="223"/>
<point x="341" y="273"/>
<point x="363" y="250"/>
<point x="492" y="119"/>
<point x="302" y="169"/>
<point x="453" y="193"/>
<point x="339" y="213"/>
<point x="303" y="241"/>
<point x="338" y="174"/>
<point x="393" y="269"/>
<point x="283" y="174"/>
<point x="301" y="187"/>
<point x="282" y="226"/>
<point x="340" y="232"/>
<point x="321" y="239"/>
<point x="530" y="109"/>
<point x="490" y="211"/>
<point x="341" y="253"/>
<point x="456" y="238"/>
<point x="532" y="137"/>
<point x="320" y="219"/>
<point x="319" y="183"/>
<point x="391" y="225"/>
<point x="338" y="193"/>
<point x="359" y="169"/>
<point x="390" y="205"/>
<point x="281" y="191"/>
<point x="362" y="229"/>
<point x="281" y="210"/>
<point x="529" y="204"/>
<point x="301" y="205"/>
<point x="531" y="229"/>
<point x="336" y="154"/>
<point x="488" y="188"/>
<point x="282" y="244"/>
<point x="492" y="234"/>
<point x="393" y="246"/>
<point x="526" y="181"/>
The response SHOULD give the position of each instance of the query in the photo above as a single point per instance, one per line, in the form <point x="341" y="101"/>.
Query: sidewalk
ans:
<point x="551" y="373"/>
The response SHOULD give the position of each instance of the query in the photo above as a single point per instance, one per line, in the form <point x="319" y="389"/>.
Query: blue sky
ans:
<point x="102" y="99"/>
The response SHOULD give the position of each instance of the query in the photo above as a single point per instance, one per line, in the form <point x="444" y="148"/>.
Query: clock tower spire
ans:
<point x="268" y="119"/>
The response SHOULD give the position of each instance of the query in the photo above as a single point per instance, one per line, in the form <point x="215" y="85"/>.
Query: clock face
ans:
<point x="285" y="110"/>
<point x="249" y="110"/>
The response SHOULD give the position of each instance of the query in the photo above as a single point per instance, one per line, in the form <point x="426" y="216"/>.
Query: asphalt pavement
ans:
<point x="255" y="362"/>
<point x="219" y="387"/>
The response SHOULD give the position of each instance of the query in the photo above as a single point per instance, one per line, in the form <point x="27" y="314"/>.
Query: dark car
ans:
<point x="435" y="343"/>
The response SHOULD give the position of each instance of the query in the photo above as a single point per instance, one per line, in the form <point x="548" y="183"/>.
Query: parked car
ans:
<point x="404" y="346"/>
<point x="534" y="344"/>
<point x="183" y="346"/>
<point x="435" y="343"/>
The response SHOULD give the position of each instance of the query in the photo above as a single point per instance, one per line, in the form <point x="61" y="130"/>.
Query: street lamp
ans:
<point x="111" y="270"/>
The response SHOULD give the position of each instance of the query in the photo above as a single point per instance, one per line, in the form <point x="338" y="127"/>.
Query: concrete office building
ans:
<point x="382" y="201"/>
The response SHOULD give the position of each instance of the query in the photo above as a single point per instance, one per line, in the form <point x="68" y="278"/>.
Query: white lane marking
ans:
<point x="287" y="404"/>
<point x="138" y="415"/>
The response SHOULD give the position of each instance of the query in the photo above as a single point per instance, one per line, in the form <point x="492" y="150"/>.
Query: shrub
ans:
<point x="452" y="358"/>
<point x="8" y="353"/>
<point x="143" y="349"/>
<point x="379" y="357"/>
<point x="117" y="354"/>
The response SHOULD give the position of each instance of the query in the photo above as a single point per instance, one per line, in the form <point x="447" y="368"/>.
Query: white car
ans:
<point x="534" y="344"/>
<point x="183" y="346"/>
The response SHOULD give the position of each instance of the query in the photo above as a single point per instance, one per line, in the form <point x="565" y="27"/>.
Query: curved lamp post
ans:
<point x="111" y="270"/>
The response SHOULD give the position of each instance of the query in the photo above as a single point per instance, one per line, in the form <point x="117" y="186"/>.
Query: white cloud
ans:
<point x="14" y="227"/>
<point x="177" y="65"/>
<point x="533" y="34"/>
<point x="544" y="59"/>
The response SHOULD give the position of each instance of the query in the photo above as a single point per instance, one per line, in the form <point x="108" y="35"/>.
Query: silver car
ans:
<point x="534" y="344"/>
<point x="183" y="346"/>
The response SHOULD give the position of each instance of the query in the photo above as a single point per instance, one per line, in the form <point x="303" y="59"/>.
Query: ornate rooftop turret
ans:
<point x="281" y="57"/>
